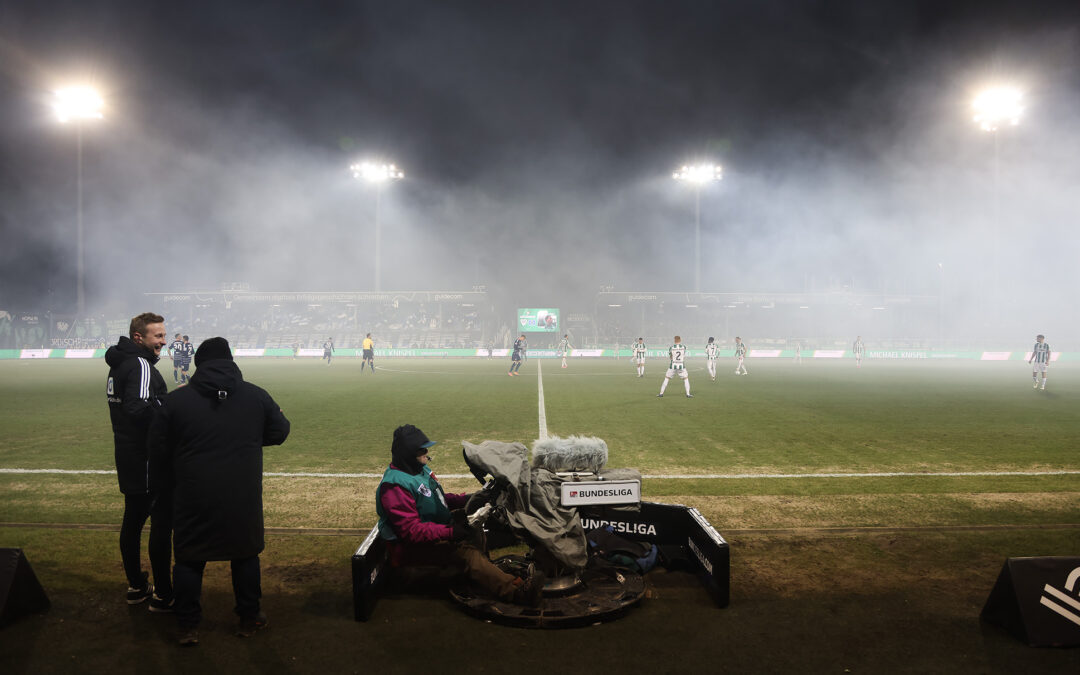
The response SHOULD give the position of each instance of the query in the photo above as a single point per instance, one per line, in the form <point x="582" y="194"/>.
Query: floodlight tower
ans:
<point x="378" y="175"/>
<point x="698" y="176"/>
<point x="941" y="305"/>
<point x="995" y="108"/>
<point x="75" y="105"/>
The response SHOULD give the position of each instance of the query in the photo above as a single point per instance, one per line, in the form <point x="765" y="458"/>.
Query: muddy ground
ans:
<point x="802" y="601"/>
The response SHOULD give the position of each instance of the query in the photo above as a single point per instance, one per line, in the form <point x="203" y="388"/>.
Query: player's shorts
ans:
<point x="369" y="354"/>
<point x="640" y="360"/>
<point x="184" y="364"/>
<point x="326" y="353"/>
<point x="1039" y="367"/>
<point x="516" y="356"/>
<point x="681" y="371"/>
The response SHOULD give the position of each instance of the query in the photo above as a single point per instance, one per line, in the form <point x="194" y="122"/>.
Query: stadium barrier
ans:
<point x="896" y="354"/>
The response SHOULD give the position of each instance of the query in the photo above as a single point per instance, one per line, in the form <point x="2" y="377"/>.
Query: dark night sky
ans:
<point x="538" y="141"/>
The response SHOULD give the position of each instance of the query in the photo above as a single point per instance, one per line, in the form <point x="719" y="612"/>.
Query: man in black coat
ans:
<point x="206" y="449"/>
<point x="135" y="389"/>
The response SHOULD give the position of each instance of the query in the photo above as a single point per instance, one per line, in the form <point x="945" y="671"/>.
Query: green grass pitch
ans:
<point x="883" y="573"/>
<point x="823" y="417"/>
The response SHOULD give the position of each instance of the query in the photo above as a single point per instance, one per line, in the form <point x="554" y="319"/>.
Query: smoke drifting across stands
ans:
<point x="538" y="142"/>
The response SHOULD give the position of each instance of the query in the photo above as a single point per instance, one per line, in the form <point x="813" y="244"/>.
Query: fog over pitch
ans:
<point x="538" y="141"/>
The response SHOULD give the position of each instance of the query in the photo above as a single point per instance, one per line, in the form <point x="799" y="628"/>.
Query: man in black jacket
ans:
<point x="206" y="449"/>
<point x="135" y="389"/>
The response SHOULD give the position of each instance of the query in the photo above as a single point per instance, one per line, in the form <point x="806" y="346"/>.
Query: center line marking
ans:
<point x="540" y="392"/>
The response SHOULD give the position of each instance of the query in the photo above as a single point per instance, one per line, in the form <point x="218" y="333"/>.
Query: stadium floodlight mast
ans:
<point x="997" y="107"/>
<point x="75" y="105"/>
<point x="379" y="175"/>
<point x="698" y="175"/>
<point x="941" y="304"/>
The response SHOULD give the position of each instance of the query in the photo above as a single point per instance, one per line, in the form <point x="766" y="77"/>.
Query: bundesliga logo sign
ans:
<point x="592" y="493"/>
<point x="615" y="492"/>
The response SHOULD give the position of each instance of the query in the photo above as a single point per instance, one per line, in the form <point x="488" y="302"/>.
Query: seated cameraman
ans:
<point x="416" y="520"/>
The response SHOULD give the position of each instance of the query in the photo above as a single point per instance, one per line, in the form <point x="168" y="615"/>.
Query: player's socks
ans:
<point x="686" y="385"/>
<point x="663" y="386"/>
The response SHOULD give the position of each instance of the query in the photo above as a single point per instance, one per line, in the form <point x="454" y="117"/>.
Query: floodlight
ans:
<point x="997" y="107"/>
<point x="700" y="173"/>
<point x="77" y="103"/>
<point x="376" y="173"/>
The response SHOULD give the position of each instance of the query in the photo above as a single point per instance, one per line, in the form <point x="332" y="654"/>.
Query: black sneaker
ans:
<point x="189" y="637"/>
<point x="249" y="625"/>
<point x="689" y="396"/>
<point x="135" y="595"/>
<point x="160" y="604"/>
<point x="659" y="396"/>
<point x="531" y="592"/>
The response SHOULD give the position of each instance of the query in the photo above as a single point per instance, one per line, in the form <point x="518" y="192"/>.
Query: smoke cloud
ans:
<point x="538" y="144"/>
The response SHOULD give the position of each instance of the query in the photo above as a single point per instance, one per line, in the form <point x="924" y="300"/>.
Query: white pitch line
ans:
<point x="540" y="396"/>
<point x="63" y="471"/>
<point x="890" y="474"/>
<point x="700" y="476"/>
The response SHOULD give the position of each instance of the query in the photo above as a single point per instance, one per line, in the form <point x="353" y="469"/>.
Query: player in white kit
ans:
<point x="740" y="354"/>
<point x="1040" y="355"/>
<point x="859" y="349"/>
<point x="677" y="353"/>
<point x="639" y="356"/>
<point x="712" y="351"/>
<point x="564" y="348"/>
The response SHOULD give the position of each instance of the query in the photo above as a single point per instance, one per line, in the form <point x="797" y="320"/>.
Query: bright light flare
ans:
<point x="997" y="107"/>
<point x="701" y="173"/>
<point x="376" y="173"/>
<point x="77" y="103"/>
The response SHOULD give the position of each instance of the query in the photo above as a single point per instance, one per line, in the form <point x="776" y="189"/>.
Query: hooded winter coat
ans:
<point x="134" y="389"/>
<point x="206" y="448"/>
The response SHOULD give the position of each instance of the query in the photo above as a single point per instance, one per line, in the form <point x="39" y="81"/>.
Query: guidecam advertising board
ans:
<point x="538" y="320"/>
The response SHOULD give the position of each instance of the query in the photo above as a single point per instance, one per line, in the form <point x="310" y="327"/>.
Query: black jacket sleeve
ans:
<point x="276" y="427"/>
<point x="159" y="452"/>
<point x="139" y="398"/>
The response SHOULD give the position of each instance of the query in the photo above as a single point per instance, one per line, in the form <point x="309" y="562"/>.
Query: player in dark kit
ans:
<point x="176" y="353"/>
<point x="517" y="355"/>
<point x="328" y="350"/>
<point x="188" y="352"/>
